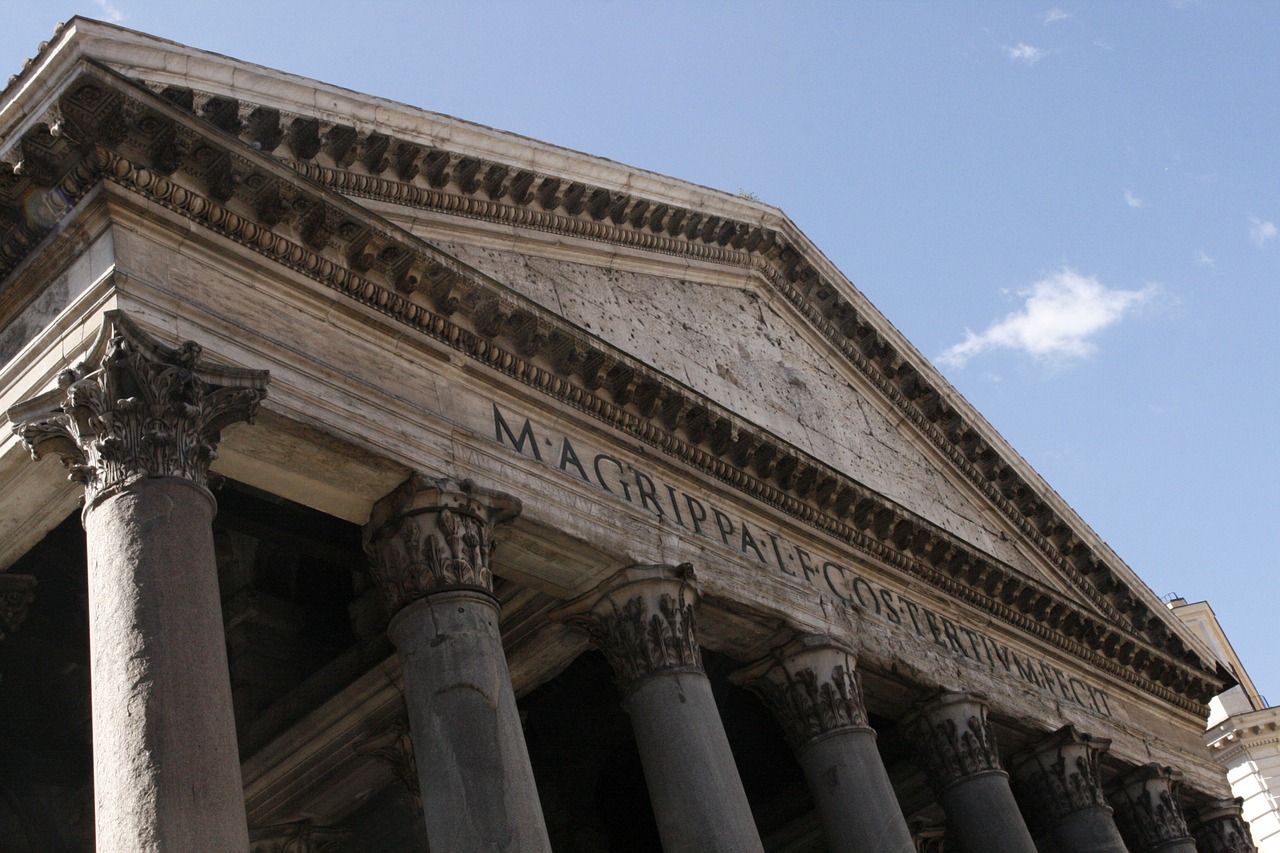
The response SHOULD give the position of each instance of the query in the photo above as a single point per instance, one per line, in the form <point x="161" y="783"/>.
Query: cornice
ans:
<point x="407" y="173"/>
<point x="203" y="170"/>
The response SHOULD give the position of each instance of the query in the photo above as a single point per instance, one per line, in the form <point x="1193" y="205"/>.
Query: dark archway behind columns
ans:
<point x="590" y="779"/>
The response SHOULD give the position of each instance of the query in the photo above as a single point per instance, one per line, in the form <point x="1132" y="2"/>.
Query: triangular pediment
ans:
<point x="760" y="357"/>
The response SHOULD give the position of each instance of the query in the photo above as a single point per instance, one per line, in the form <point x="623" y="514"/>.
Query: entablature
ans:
<point x="214" y="170"/>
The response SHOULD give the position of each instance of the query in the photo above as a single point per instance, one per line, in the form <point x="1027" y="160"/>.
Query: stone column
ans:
<point x="813" y="689"/>
<point x="1061" y="784"/>
<point x="956" y="747"/>
<point x="642" y="619"/>
<point x="137" y="423"/>
<point x="1147" y="811"/>
<point x="1219" y="827"/>
<point x="430" y="545"/>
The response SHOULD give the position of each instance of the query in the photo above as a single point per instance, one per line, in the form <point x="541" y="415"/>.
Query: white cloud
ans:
<point x="1024" y="53"/>
<point x="1132" y="200"/>
<point x="1202" y="258"/>
<point x="109" y="11"/>
<point x="1061" y="313"/>
<point x="1055" y="15"/>
<point x="1260" y="232"/>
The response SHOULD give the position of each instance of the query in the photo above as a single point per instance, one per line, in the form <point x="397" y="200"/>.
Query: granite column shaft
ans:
<point x="812" y="687"/>
<point x="643" y="620"/>
<point x="430" y="543"/>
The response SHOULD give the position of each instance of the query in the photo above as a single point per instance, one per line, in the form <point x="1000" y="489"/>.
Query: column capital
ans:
<point x="1146" y="803"/>
<point x="1060" y="774"/>
<point x="953" y="739"/>
<point x="812" y="686"/>
<point x="299" y="837"/>
<point x="641" y="618"/>
<point x="16" y="595"/>
<point x="433" y="535"/>
<point x="136" y="408"/>
<point x="1219" y="827"/>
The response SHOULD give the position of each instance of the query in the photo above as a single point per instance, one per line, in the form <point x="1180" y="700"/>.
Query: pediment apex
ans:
<point x="373" y="263"/>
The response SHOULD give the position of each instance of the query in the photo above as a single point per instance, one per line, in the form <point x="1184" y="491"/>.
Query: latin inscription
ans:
<point x="775" y="553"/>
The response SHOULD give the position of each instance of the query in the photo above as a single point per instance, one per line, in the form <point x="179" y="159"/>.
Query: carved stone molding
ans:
<point x="812" y="686"/>
<point x="953" y="740"/>
<point x="16" y="595"/>
<point x="1146" y="805"/>
<point x="1060" y="775"/>
<point x="928" y="838"/>
<point x="394" y="747"/>
<point x="143" y="139"/>
<point x="432" y="535"/>
<point x="299" y="837"/>
<point x="642" y="620"/>
<point x="136" y="408"/>
<point x="1219" y="827"/>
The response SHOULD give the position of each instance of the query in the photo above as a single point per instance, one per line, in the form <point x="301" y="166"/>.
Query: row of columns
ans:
<point x="138" y="424"/>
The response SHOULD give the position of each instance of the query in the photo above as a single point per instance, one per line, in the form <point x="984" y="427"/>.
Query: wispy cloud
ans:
<point x="1202" y="258"/>
<point x="1024" y="53"/>
<point x="1060" y="315"/>
<point x="1055" y="15"/>
<point x="1132" y="200"/>
<point x="1260" y="232"/>
<point x="109" y="11"/>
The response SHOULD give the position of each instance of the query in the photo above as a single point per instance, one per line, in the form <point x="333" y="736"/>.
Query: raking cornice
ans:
<point x="216" y="171"/>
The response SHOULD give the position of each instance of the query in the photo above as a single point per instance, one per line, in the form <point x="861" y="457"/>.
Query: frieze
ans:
<point x="829" y="577"/>
<point x="510" y="334"/>
<point x="135" y="409"/>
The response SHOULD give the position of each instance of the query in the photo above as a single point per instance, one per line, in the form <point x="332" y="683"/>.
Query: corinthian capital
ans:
<point x="642" y="620"/>
<point x="1146" y="805"/>
<point x="1060" y="774"/>
<point x="953" y="739"/>
<point x="811" y="685"/>
<point x="432" y="535"/>
<point x="136" y="408"/>
<point x="1220" y="828"/>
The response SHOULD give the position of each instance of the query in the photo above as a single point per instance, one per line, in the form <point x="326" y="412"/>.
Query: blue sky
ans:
<point x="1073" y="209"/>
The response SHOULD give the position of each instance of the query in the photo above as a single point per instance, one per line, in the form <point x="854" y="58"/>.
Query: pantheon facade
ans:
<point x="404" y="484"/>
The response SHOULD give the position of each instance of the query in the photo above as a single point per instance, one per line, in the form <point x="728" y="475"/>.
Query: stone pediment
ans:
<point x="296" y="187"/>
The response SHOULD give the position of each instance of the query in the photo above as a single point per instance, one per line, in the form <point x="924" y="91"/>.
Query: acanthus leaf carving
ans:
<point x="812" y="686"/>
<point x="1220" y="828"/>
<point x="16" y="594"/>
<point x="1147" y="810"/>
<point x="642" y="620"/>
<point x="1061" y="775"/>
<point x="135" y="408"/>
<point x="953" y="739"/>
<point x="434" y="535"/>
